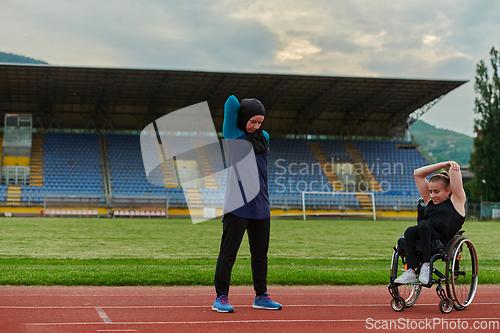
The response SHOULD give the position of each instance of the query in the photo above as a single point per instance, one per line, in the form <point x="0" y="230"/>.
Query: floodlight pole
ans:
<point x="486" y="185"/>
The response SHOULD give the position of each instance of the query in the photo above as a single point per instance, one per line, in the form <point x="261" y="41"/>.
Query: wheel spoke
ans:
<point x="408" y="292"/>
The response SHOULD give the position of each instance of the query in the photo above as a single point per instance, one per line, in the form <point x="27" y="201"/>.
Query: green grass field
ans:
<point x="54" y="251"/>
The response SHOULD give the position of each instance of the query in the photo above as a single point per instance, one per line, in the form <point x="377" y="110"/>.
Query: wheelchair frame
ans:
<point x="458" y="292"/>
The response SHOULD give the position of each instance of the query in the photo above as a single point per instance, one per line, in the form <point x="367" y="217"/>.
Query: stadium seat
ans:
<point x="72" y="167"/>
<point x="79" y="153"/>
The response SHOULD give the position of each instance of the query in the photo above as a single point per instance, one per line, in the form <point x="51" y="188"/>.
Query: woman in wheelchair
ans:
<point x="444" y="215"/>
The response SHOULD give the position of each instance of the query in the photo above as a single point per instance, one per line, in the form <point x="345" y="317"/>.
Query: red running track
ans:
<point x="188" y="309"/>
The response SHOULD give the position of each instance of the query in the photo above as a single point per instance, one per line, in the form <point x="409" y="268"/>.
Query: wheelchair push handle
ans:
<point x="420" y="209"/>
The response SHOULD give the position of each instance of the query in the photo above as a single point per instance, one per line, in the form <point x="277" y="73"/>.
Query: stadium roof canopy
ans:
<point x="113" y="98"/>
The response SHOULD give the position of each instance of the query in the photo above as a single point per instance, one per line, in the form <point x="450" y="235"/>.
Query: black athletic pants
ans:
<point x="258" y="236"/>
<point x="425" y="232"/>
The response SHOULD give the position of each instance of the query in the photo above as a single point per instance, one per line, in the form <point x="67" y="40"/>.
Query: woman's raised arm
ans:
<point x="420" y="174"/>
<point x="456" y="184"/>
<point x="230" y="129"/>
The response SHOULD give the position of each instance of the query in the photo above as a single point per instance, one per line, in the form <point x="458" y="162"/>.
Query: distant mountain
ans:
<point x="437" y="145"/>
<point x="14" y="58"/>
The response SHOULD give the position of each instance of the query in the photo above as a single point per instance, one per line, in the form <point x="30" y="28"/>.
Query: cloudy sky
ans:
<point x="398" y="39"/>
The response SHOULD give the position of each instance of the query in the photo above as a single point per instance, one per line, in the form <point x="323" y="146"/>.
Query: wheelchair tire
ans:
<point x="446" y="306"/>
<point x="462" y="273"/>
<point x="408" y="292"/>
<point x="398" y="303"/>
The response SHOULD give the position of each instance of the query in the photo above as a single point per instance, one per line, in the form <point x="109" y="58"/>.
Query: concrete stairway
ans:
<point x="168" y="171"/>
<point x="206" y="168"/>
<point x="13" y="196"/>
<point x="194" y="198"/>
<point x="321" y="158"/>
<point x="36" y="162"/>
<point x="366" y="175"/>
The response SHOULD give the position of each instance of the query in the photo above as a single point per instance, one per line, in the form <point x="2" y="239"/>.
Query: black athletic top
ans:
<point x="444" y="218"/>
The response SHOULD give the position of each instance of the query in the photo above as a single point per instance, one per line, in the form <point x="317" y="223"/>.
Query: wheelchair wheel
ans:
<point x="462" y="274"/>
<point x="445" y="306"/>
<point x="408" y="292"/>
<point x="398" y="304"/>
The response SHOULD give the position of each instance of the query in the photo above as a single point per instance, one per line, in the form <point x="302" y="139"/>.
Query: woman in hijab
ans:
<point x="242" y="122"/>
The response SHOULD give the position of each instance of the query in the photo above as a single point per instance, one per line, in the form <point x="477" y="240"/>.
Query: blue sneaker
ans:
<point x="221" y="304"/>
<point x="265" y="302"/>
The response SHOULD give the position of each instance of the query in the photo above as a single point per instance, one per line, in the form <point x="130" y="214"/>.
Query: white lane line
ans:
<point x="281" y="293"/>
<point x="240" y="321"/>
<point x="189" y="306"/>
<point x="203" y="322"/>
<point x="326" y="294"/>
<point x="103" y="315"/>
<point x="208" y="305"/>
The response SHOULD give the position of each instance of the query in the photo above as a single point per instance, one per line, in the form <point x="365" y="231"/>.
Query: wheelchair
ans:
<point x="459" y="275"/>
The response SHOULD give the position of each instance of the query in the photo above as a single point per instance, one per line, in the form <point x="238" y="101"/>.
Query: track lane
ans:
<point x="188" y="309"/>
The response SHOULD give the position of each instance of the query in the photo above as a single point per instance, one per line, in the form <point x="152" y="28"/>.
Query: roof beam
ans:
<point x="363" y="110"/>
<point x="269" y="97"/>
<point x="401" y="115"/>
<point x="217" y="96"/>
<point x="157" y="100"/>
<point x="313" y="107"/>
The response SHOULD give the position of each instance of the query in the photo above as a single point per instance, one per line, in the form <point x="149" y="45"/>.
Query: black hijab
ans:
<point x="249" y="108"/>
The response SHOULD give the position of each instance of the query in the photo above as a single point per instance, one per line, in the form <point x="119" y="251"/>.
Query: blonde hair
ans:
<point x="443" y="176"/>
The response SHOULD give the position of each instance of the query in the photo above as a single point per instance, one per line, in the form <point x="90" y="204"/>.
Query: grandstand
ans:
<point x="74" y="166"/>
<point x="82" y="154"/>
